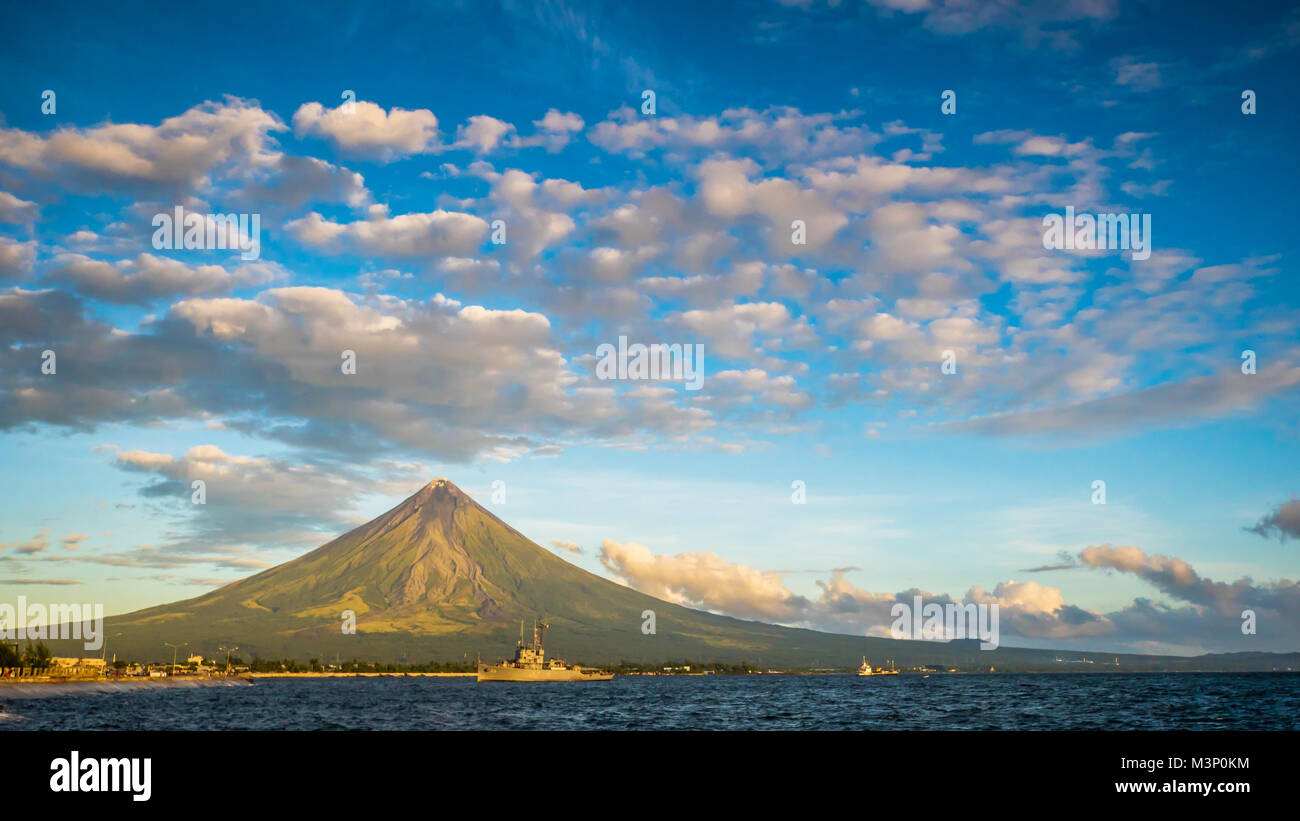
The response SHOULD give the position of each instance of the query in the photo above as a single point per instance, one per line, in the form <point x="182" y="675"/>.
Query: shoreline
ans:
<point x="201" y="678"/>
<point x="249" y="677"/>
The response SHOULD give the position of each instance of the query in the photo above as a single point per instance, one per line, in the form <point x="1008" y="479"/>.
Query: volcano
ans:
<point x="439" y="577"/>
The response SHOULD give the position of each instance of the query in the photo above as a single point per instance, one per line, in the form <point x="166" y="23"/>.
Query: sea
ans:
<point x="1003" y="701"/>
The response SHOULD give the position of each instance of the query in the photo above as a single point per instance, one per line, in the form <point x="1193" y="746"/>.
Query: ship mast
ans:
<point x="539" y="633"/>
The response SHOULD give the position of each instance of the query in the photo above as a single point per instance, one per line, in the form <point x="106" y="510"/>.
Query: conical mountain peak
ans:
<point x="442" y="484"/>
<point x="439" y="507"/>
<point x="440" y="575"/>
<point x="439" y="491"/>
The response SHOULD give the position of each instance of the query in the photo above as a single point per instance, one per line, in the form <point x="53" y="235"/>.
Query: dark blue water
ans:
<point x="1242" y="701"/>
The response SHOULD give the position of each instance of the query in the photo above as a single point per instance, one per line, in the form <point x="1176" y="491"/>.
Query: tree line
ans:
<point x="260" y="665"/>
<point x="33" y="655"/>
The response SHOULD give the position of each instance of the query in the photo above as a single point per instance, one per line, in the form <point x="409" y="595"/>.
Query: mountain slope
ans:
<point x="441" y="578"/>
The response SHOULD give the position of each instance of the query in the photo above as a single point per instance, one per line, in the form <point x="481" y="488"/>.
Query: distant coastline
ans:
<point x="130" y="682"/>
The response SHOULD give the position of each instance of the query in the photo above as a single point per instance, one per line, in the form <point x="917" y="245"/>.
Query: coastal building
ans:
<point x="65" y="663"/>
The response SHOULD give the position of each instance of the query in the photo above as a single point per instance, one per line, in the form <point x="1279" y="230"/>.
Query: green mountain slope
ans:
<point x="440" y="578"/>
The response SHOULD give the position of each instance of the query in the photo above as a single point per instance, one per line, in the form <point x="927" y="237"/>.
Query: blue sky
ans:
<point x="822" y="360"/>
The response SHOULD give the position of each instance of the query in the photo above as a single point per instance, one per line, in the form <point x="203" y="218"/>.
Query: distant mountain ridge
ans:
<point x="439" y="577"/>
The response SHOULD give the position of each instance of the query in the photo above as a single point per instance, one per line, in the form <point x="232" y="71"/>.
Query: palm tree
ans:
<point x="36" y="655"/>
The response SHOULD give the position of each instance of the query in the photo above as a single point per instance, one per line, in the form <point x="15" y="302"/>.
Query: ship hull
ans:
<point x="496" y="673"/>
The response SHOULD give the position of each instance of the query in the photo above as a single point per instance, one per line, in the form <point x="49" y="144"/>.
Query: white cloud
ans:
<point x="430" y="234"/>
<point x="13" y="209"/>
<point x="366" y="129"/>
<point x="16" y="258"/>
<point x="482" y="133"/>
<point x="148" y="277"/>
<point x="180" y="155"/>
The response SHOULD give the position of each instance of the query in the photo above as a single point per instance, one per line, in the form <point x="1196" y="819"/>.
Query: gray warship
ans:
<point x="530" y="664"/>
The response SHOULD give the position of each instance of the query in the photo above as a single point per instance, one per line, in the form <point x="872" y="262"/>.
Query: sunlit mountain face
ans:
<point x="766" y="313"/>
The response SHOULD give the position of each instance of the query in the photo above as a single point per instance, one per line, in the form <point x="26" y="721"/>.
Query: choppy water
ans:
<point x="1243" y="701"/>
